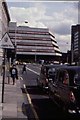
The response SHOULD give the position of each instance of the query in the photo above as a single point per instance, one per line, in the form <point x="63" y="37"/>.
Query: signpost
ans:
<point x="5" y="44"/>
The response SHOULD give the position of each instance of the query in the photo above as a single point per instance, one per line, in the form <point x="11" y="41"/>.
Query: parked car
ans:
<point x="64" y="90"/>
<point x="46" y="74"/>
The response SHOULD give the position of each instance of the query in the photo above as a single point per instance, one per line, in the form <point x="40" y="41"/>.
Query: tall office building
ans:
<point x="75" y="43"/>
<point x="34" y="43"/>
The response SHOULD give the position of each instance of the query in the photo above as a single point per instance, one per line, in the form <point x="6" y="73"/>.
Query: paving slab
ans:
<point x="13" y="101"/>
<point x="0" y="110"/>
<point x="9" y="110"/>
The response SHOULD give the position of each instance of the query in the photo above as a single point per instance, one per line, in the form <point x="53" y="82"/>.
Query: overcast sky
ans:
<point x="58" y="16"/>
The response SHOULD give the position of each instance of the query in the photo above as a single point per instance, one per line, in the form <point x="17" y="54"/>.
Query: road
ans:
<point x="41" y="107"/>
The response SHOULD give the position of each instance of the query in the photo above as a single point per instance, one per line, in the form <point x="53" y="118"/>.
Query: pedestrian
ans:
<point x="24" y="68"/>
<point x="14" y="73"/>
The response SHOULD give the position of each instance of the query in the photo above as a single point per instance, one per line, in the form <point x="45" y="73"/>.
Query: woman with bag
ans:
<point x="14" y="73"/>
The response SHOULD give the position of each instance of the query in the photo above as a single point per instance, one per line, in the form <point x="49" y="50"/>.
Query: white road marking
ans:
<point x="33" y="71"/>
<point x="32" y="107"/>
<point x="20" y="78"/>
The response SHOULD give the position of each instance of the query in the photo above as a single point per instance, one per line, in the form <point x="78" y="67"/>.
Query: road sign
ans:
<point x="6" y="42"/>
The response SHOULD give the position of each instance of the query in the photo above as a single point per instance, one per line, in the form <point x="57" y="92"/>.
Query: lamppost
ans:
<point x="3" y="64"/>
<point x="26" y="21"/>
<point x="15" y="41"/>
<point x="4" y="39"/>
<point x="34" y="55"/>
<point x="15" y="44"/>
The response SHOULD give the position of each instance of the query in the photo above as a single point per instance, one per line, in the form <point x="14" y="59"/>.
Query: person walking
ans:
<point x="14" y="73"/>
<point x="24" y="69"/>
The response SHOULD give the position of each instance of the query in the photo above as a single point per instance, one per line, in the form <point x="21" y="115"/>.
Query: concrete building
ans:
<point x="4" y="22"/>
<point x="75" y="43"/>
<point x="34" y="43"/>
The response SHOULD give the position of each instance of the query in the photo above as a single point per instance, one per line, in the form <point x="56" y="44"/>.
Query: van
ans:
<point x="64" y="90"/>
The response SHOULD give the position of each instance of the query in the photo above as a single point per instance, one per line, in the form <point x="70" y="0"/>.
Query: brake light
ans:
<point x="72" y="97"/>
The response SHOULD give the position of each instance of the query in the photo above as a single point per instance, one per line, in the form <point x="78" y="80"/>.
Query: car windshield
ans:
<point x="51" y="71"/>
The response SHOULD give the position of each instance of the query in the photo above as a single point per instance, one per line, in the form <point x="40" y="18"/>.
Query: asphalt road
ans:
<point x="41" y="106"/>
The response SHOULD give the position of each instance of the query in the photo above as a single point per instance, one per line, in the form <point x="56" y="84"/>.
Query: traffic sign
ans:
<point x="6" y="42"/>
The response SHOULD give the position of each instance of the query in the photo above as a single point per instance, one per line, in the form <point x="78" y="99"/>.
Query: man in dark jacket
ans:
<point x="24" y="69"/>
<point x="14" y="73"/>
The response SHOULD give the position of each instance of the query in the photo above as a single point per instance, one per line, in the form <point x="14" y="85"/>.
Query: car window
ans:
<point x="77" y="79"/>
<point x="51" y="73"/>
<point x="64" y="77"/>
<point x="72" y="74"/>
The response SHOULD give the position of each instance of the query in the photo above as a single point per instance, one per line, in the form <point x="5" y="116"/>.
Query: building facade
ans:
<point x="33" y="43"/>
<point x="75" y="44"/>
<point x="4" y="23"/>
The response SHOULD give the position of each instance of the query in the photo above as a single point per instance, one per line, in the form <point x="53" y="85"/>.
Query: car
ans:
<point x="64" y="90"/>
<point x="46" y="74"/>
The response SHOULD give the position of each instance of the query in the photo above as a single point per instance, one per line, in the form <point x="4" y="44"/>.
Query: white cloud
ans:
<point x="32" y="15"/>
<point x="64" y="42"/>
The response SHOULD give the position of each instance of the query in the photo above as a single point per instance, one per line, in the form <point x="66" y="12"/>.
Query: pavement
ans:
<point x="13" y="102"/>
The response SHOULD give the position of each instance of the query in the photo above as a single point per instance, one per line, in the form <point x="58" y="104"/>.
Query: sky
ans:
<point x="58" y="16"/>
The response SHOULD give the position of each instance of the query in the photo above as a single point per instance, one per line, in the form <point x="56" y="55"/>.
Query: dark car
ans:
<point x="65" y="89"/>
<point x="46" y="74"/>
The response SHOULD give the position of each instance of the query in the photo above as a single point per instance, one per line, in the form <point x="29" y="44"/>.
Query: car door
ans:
<point x="63" y="86"/>
<point x="54" y="88"/>
<point x="43" y="75"/>
<point x="52" y="85"/>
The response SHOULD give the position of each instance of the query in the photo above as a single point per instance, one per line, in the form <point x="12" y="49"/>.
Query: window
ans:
<point x="64" y="77"/>
<point x="77" y="79"/>
<point x="52" y="73"/>
<point x="51" y="70"/>
<point x="60" y="76"/>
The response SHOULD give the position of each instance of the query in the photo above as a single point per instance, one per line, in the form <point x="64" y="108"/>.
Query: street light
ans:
<point x="35" y="47"/>
<point x="26" y="21"/>
<point x="15" y="44"/>
<point x="3" y="64"/>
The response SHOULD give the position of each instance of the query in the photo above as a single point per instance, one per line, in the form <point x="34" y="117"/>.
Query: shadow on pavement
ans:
<point x="26" y="109"/>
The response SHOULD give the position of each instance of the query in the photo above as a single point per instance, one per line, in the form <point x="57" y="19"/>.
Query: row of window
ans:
<point x="37" y="47"/>
<point x="38" y="53"/>
<point x="33" y="50"/>
<point x="30" y="35"/>
<point x="30" y="38"/>
<point x="33" y="44"/>
<point x="29" y="32"/>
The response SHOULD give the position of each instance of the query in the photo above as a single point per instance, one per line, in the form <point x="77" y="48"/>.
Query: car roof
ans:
<point x="76" y="68"/>
<point x="52" y="65"/>
<point x="47" y="66"/>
